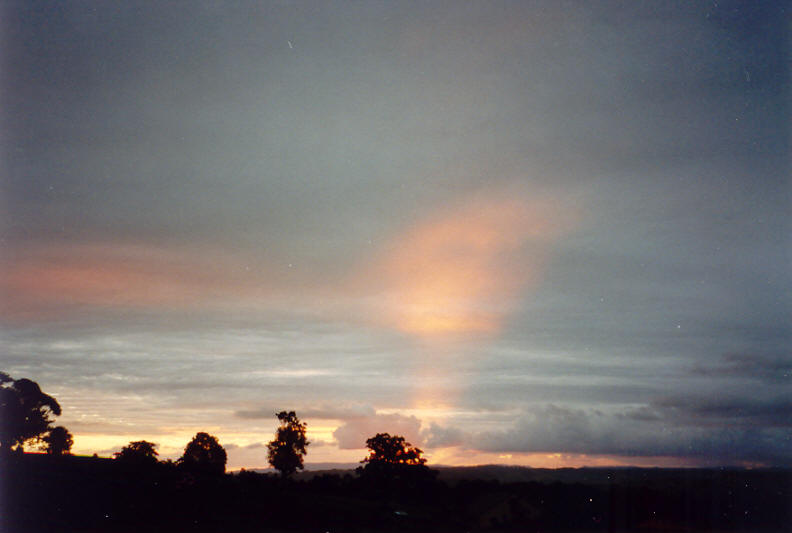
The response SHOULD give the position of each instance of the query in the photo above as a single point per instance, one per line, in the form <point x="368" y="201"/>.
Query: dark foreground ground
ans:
<point x="83" y="494"/>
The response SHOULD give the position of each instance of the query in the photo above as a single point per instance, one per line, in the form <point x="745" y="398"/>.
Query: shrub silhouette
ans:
<point x="25" y="412"/>
<point x="204" y="455"/>
<point x="287" y="450"/>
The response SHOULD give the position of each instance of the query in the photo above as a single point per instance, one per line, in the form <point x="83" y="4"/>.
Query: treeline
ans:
<point x="393" y="489"/>
<point x="26" y="419"/>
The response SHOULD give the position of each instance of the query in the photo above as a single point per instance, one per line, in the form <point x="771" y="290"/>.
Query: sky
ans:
<point x="541" y="233"/>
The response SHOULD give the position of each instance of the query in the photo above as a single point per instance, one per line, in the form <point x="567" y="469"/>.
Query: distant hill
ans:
<point x="311" y="469"/>
<point x="526" y="474"/>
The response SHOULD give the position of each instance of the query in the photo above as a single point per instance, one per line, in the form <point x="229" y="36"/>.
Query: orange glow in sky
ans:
<point x="459" y="272"/>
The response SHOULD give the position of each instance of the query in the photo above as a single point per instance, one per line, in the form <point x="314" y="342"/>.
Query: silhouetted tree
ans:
<point x="140" y="452"/>
<point x="392" y="461"/>
<point x="387" y="449"/>
<point x="286" y="452"/>
<point x="25" y="412"/>
<point x="58" y="441"/>
<point x="204" y="455"/>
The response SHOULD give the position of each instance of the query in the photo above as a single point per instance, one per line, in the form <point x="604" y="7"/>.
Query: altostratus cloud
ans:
<point x="47" y="279"/>
<point x="457" y="269"/>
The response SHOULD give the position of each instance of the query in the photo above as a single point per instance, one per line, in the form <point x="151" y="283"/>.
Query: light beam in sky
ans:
<point x="457" y="275"/>
<point x="460" y="271"/>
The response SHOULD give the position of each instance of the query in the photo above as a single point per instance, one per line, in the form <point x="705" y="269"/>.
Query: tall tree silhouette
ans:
<point x="204" y="455"/>
<point x="58" y="441"/>
<point x="286" y="452"/>
<point x="25" y="412"/>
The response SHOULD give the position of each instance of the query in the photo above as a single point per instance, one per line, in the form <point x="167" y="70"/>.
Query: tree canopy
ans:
<point x="287" y="450"/>
<point x="203" y="454"/>
<point x="140" y="452"/>
<point x="58" y="441"/>
<point x="384" y="448"/>
<point x="25" y="412"/>
<point x="394" y="464"/>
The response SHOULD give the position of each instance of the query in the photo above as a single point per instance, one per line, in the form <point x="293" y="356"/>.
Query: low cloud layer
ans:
<point x="704" y="431"/>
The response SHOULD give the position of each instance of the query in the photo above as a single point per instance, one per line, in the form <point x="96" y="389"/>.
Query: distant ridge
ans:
<point x="628" y="475"/>
<point x="309" y="467"/>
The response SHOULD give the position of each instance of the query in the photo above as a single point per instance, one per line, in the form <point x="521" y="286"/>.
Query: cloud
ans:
<point x="642" y="432"/>
<point x="320" y="412"/>
<point x="747" y="365"/>
<point x="54" y="279"/>
<point x="643" y="413"/>
<point x="353" y="433"/>
<point x="340" y="412"/>
<point x="437" y="436"/>
<point x="461" y="269"/>
<point x="252" y="446"/>
<point x="727" y="410"/>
